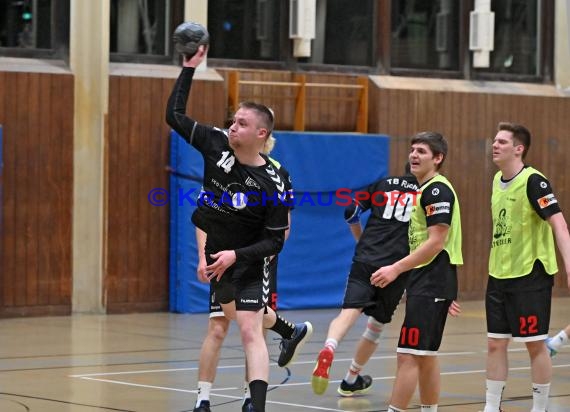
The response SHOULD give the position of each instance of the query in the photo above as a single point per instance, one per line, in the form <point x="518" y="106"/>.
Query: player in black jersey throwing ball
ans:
<point x="383" y="242"/>
<point x="245" y="216"/>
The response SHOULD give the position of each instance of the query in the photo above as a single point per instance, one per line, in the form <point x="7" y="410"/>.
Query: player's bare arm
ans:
<point x="560" y="229"/>
<point x="428" y="250"/>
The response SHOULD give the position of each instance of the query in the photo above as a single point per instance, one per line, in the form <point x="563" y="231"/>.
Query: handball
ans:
<point x="189" y="36"/>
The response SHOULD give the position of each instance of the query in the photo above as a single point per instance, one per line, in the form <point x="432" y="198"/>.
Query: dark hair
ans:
<point x="435" y="141"/>
<point x="265" y="115"/>
<point x="520" y="134"/>
<point x="407" y="169"/>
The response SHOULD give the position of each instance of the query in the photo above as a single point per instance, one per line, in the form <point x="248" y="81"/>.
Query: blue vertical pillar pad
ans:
<point x="187" y="295"/>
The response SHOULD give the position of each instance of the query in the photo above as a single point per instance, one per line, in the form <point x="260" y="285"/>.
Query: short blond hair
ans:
<point x="269" y="144"/>
<point x="270" y="141"/>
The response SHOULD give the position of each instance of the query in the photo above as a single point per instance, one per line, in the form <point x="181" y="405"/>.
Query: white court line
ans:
<point x="304" y="406"/>
<point x="383" y="378"/>
<point x="242" y="366"/>
<point x="195" y="368"/>
<point x="214" y="392"/>
<point x="440" y="354"/>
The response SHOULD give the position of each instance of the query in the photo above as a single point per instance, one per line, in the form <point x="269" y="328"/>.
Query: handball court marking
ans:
<point x="215" y="392"/>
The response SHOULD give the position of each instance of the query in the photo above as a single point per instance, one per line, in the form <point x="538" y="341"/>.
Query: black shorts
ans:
<point x="380" y="303"/>
<point x="269" y="278"/>
<point x="514" y="309"/>
<point x="422" y="330"/>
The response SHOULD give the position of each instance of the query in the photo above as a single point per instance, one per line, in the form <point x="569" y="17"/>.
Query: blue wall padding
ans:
<point x="314" y="263"/>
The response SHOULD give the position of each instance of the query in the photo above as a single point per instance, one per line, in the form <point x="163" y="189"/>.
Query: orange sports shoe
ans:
<point x="320" y="378"/>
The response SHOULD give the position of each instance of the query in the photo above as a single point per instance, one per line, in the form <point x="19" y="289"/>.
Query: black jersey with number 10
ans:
<point x="385" y="237"/>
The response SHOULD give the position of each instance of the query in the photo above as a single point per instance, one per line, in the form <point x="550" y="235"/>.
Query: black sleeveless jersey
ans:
<point x="384" y="239"/>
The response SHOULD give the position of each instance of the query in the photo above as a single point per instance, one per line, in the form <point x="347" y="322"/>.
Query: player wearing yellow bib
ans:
<point x="434" y="236"/>
<point x="522" y="263"/>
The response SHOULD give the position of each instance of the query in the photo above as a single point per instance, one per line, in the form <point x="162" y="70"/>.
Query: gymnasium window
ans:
<point x="244" y="29"/>
<point x="425" y="34"/>
<point x="34" y="28"/>
<point x="141" y="30"/>
<point x="349" y="33"/>
<point x="518" y="38"/>
<point x="255" y="33"/>
<point x="431" y="38"/>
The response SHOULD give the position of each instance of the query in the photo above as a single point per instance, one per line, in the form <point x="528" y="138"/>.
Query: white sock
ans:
<point x="540" y="396"/>
<point x="493" y="395"/>
<point x="203" y="391"/>
<point x="331" y="344"/>
<point x="394" y="409"/>
<point x="558" y="340"/>
<point x="246" y="394"/>
<point x="353" y="372"/>
<point x="429" y="408"/>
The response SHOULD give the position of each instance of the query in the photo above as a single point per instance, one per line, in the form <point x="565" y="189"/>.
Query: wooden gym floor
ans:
<point x="148" y="363"/>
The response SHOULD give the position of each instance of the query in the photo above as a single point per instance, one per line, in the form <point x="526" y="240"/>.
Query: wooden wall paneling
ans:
<point x="344" y="100"/>
<point x="159" y="216"/>
<point x="537" y="129"/>
<point x="325" y="110"/>
<point x="9" y="192"/>
<point x="113" y="224"/>
<point x="351" y="101"/>
<point x="543" y="137"/>
<point x="144" y="147"/>
<point x="3" y="97"/>
<point x="557" y="140"/>
<point x="406" y="120"/>
<point x="120" y="236"/>
<point x="478" y="205"/>
<point x="155" y="263"/>
<point x="316" y="109"/>
<point x="550" y="139"/>
<point x="146" y="140"/>
<point x="132" y="184"/>
<point x="473" y="193"/>
<point x="562" y="107"/>
<point x="453" y="161"/>
<point x="380" y="113"/>
<point x="373" y="107"/>
<point x="62" y="131"/>
<point x="384" y="120"/>
<point x="381" y="122"/>
<point x="458" y="108"/>
<point x="218" y="110"/>
<point x="36" y="210"/>
<point x="459" y="160"/>
<point x="426" y="111"/>
<point x="33" y="185"/>
<point x="399" y="149"/>
<point x="23" y="181"/>
<point x="45" y="195"/>
<point x="328" y="108"/>
<point x="285" y="110"/>
<point x="500" y="111"/>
